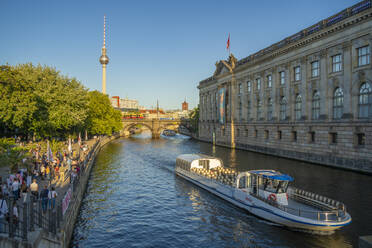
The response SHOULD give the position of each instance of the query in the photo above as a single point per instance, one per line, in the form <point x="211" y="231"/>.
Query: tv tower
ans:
<point x="104" y="59"/>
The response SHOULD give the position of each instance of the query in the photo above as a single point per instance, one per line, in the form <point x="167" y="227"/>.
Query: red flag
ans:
<point x="228" y="43"/>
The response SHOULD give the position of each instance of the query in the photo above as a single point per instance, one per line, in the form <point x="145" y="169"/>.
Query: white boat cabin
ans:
<point x="267" y="184"/>
<point x="198" y="161"/>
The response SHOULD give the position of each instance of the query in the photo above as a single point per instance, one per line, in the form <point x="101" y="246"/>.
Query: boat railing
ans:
<point x="332" y="214"/>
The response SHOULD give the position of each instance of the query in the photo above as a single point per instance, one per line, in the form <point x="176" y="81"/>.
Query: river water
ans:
<point x="134" y="199"/>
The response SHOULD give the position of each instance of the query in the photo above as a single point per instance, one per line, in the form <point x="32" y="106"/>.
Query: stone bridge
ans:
<point x="156" y="126"/>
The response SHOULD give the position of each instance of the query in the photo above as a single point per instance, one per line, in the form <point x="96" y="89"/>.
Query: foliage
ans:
<point x="102" y="117"/>
<point x="38" y="101"/>
<point x="194" y="120"/>
<point x="10" y="154"/>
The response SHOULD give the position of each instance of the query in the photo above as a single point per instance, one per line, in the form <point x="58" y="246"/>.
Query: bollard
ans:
<point x="24" y="225"/>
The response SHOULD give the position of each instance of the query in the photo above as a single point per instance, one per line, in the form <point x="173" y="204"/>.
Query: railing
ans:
<point x="332" y="210"/>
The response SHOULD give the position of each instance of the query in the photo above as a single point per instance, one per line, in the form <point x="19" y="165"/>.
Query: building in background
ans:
<point x="124" y="104"/>
<point x="307" y="97"/>
<point x="185" y="106"/>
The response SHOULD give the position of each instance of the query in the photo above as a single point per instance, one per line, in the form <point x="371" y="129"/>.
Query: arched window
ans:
<point x="269" y="109"/>
<point x="259" y="109"/>
<point x="298" y="107"/>
<point x="365" y="101"/>
<point x="283" y="108"/>
<point x="338" y="103"/>
<point x="316" y="106"/>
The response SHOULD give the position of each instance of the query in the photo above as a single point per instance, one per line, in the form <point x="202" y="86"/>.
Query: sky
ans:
<point x="158" y="50"/>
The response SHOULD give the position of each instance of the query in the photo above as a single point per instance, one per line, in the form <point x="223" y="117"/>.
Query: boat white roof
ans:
<point x="194" y="156"/>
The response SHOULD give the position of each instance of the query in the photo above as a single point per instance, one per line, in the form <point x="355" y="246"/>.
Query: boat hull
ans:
<point x="260" y="208"/>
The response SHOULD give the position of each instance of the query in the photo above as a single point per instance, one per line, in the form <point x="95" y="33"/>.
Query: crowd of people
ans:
<point x="35" y="183"/>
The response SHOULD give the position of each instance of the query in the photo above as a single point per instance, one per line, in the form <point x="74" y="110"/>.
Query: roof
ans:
<point x="271" y="174"/>
<point x="194" y="156"/>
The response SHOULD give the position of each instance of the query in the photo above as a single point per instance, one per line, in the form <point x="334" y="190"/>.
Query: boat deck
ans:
<point x="309" y="211"/>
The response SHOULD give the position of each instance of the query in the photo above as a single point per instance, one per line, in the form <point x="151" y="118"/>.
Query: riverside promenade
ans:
<point x="53" y="227"/>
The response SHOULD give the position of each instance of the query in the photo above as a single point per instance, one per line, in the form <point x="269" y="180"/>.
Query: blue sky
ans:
<point x="157" y="49"/>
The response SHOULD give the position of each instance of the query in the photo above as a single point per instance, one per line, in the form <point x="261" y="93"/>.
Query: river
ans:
<point x="134" y="199"/>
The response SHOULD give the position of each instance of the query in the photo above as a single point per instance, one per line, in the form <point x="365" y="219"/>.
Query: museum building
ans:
<point x="307" y="97"/>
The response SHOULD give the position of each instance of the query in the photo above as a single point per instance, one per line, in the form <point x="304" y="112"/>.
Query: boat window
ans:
<point x="282" y="187"/>
<point x="243" y="182"/>
<point x="204" y="163"/>
<point x="270" y="185"/>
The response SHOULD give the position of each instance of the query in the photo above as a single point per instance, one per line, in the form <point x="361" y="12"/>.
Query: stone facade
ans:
<point x="307" y="97"/>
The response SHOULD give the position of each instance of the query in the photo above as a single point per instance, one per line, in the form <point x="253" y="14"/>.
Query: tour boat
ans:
<point x="265" y="193"/>
<point x="169" y="133"/>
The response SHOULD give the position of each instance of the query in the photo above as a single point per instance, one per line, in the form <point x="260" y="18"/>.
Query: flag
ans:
<point x="228" y="43"/>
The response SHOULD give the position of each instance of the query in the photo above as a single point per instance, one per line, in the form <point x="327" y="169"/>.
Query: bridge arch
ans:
<point x="154" y="125"/>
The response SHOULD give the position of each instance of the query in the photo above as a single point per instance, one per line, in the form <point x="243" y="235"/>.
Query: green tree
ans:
<point x="102" y="117"/>
<point x="194" y="120"/>
<point x="38" y="100"/>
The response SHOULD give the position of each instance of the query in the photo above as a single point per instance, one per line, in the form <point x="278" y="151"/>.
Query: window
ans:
<point x="258" y="80"/>
<point x="338" y="103"/>
<point x="279" y="135"/>
<point x="266" y="134"/>
<point x="238" y="132"/>
<point x="361" y="138"/>
<point x="283" y="108"/>
<point x="298" y="107"/>
<point x="294" y="136"/>
<point x="336" y="63"/>
<point x="297" y="73"/>
<point x="269" y="109"/>
<point x="249" y="86"/>
<point x="259" y="110"/>
<point x="311" y="137"/>
<point x="363" y="55"/>
<point x="269" y="81"/>
<point x="240" y="89"/>
<point x="365" y="101"/>
<point x="333" y="138"/>
<point x="316" y="106"/>
<point x="223" y="131"/>
<point x="246" y="132"/>
<point x="240" y="109"/>
<point x="315" y="69"/>
<point x="255" y="133"/>
<point x="249" y="110"/>
<point x="282" y="77"/>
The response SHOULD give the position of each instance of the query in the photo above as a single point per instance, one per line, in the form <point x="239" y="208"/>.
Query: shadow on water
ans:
<point x="134" y="199"/>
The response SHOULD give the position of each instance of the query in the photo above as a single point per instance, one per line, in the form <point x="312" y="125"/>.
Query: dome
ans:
<point x="104" y="60"/>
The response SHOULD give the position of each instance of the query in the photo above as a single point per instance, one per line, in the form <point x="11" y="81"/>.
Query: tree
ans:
<point x="194" y="120"/>
<point x="38" y="100"/>
<point x="102" y="117"/>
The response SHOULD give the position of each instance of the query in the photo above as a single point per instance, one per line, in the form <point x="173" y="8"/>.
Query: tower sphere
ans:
<point x="104" y="60"/>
